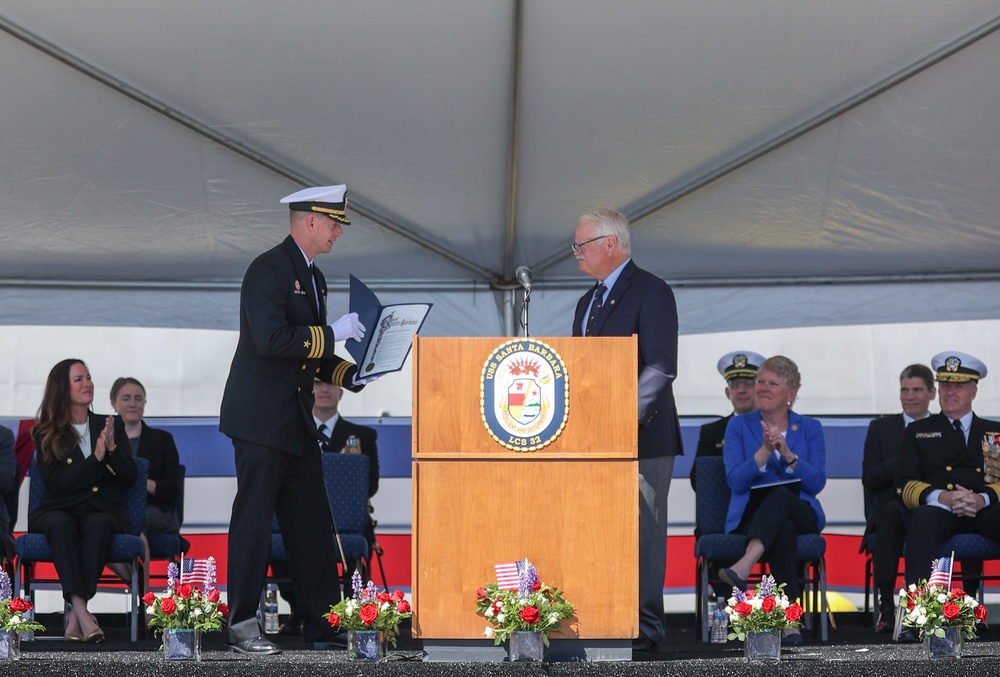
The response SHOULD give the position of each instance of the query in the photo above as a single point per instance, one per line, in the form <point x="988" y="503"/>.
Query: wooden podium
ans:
<point x="570" y="507"/>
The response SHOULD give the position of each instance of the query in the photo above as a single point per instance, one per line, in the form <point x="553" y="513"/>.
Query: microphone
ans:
<point x="523" y="275"/>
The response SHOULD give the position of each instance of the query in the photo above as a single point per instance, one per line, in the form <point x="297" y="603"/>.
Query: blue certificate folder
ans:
<point x="389" y="331"/>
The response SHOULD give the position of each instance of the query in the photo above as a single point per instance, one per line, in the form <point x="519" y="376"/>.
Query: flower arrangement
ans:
<point x="184" y="606"/>
<point x="534" y="607"/>
<point x="931" y="608"/>
<point x="12" y="610"/>
<point x="766" y="608"/>
<point x="369" y="609"/>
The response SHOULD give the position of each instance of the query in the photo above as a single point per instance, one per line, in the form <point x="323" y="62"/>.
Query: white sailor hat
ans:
<point x="955" y="367"/>
<point x="329" y="200"/>
<point x="740" y="364"/>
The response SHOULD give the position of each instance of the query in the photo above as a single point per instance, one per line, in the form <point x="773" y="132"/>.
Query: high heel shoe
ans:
<point x="96" y="637"/>
<point x="70" y="637"/>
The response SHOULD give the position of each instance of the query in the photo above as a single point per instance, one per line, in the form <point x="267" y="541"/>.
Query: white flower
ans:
<point x="489" y="632"/>
<point x="385" y="606"/>
<point x="553" y="617"/>
<point x="942" y="598"/>
<point x="197" y="611"/>
<point x="489" y="611"/>
<point x="913" y="587"/>
<point x="500" y="618"/>
<point x="922" y="620"/>
<point x="970" y="602"/>
<point x="150" y="610"/>
<point x="351" y="607"/>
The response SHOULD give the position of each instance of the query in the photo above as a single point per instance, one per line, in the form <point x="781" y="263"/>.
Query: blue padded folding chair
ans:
<point x="346" y="479"/>
<point x="715" y="545"/>
<point x="127" y="548"/>
<point x="170" y="547"/>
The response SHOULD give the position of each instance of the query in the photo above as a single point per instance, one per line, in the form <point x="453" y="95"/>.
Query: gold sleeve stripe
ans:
<point x="318" y="342"/>
<point x="340" y="372"/>
<point x="911" y="493"/>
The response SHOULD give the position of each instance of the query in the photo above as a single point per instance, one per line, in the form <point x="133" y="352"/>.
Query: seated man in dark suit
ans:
<point x="887" y="517"/>
<point x="947" y="470"/>
<point x="342" y="437"/>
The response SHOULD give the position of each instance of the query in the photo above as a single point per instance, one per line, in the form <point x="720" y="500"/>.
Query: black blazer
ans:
<point x="878" y="467"/>
<point x="79" y="480"/>
<point x="367" y="441"/>
<point x="8" y="488"/>
<point x="643" y="304"/>
<point x="933" y="455"/>
<point x="710" y="439"/>
<point x="284" y="343"/>
<point x="157" y="446"/>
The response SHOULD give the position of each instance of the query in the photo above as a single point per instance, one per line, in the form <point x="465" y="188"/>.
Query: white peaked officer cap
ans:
<point x="955" y="367"/>
<point x="329" y="200"/>
<point x="740" y="364"/>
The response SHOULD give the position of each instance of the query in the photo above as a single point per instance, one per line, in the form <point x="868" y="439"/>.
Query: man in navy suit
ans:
<point x="284" y="344"/>
<point x="628" y="300"/>
<point x="888" y="518"/>
<point x="942" y="471"/>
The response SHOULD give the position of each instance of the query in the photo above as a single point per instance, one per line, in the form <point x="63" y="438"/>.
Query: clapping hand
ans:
<point x="106" y="440"/>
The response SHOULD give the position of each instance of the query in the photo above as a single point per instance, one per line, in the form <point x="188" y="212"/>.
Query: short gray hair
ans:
<point x="785" y="368"/>
<point x="610" y="222"/>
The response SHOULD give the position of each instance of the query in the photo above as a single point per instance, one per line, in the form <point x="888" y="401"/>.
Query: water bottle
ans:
<point x="720" y="625"/>
<point x="271" y="626"/>
<point x="29" y="635"/>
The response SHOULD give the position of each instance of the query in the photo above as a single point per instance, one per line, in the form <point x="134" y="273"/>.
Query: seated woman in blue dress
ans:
<point x="775" y="465"/>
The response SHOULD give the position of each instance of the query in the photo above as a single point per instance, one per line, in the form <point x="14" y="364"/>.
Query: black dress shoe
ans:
<point x="336" y="642"/>
<point x="908" y="636"/>
<point x="291" y="626"/>
<point x="795" y="639"/>
<point x="730" y="577"/>
<point x="643" y="644"/>
<point x="259" y="646"/>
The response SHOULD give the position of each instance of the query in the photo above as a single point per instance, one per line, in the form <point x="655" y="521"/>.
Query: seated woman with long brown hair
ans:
<point x="87" y="472"/>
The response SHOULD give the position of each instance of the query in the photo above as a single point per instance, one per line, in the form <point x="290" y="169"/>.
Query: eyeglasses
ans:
<point x="578" y="246"/>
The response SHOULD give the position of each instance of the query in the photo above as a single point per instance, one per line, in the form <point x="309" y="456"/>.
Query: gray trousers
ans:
<point x="654" y="485"/>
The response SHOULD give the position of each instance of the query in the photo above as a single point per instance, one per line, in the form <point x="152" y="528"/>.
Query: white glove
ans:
<point x="348" y="327"/>
<point x="363" y="381"/>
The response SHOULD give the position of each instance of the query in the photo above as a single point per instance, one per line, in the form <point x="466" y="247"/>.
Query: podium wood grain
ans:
<point x="570" y="507"/>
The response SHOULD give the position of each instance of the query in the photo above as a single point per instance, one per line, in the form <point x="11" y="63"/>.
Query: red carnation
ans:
<point x="529" y="615"/>
<point x="910" y="604"/>
<point x="368" y="613"/>
<point x="148" y="599"/>
<point x="768" y="605"/>
<point x="382" y="597"/>
<point x="743" y="609"/>
<point x="19" y="604"/>
<point x="951" y="611"/>
<point x="224" y="609"/>
<point x="537" y="585"/>
<point x="957" y="593"/>
<point x="184" y="591"/>
<point x="397" y="595"/>
<point x="793" y="612"/>
<point x="402" y="606"/>
<point x="980" y="612"/>
<point x="168" y="606"/>
<point x="334" y="620"/>
<point x="213" y="595"/>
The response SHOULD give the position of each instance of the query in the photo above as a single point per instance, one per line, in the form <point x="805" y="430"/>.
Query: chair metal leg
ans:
<point x="702" y="595"/>
<point x="824" y="633"/>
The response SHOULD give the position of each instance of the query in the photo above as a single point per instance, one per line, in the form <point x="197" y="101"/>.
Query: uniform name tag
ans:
<point x="924" y="436"/>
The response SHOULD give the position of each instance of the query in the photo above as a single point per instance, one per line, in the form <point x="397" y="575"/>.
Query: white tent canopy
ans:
<point x="784" y="163"/>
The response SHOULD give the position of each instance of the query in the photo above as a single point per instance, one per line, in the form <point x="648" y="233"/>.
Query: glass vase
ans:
<point x="181" y="645"/>
<point x="949" y="646"/>
<point x="10" y="645"/>
<point x="763" y="646"/>
<point x="366" y="645"/>
<point x="525" y="645"/>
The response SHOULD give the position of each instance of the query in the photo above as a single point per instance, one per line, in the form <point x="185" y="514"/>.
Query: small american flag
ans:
<point x="507" y="574"/>
<point x="941" y="572"/>
<point x="197" y="572"/>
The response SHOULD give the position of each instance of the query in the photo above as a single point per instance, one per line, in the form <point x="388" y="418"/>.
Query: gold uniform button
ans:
<point x="303" y="367"/>
<point x="950" y="486"/>
<point x="948" y="468"/>
<point x="69" y="461"/>
<point x="94" y="489"/>
<point x="979" y="469"/>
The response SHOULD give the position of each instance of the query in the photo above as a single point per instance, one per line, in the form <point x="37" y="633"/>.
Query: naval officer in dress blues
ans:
<point x="941" y="473"/>
<point x="284" y="343"/>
